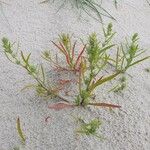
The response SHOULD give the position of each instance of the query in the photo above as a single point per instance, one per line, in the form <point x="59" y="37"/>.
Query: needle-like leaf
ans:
<point x="20" y="132"/>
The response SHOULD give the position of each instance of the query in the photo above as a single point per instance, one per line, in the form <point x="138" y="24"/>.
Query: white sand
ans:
<point x="34" y="25"/>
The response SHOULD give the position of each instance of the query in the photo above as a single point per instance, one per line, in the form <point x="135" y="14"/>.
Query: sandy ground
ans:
<point x="34" y="25"/>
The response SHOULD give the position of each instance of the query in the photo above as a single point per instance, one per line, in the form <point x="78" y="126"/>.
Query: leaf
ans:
<point x="73" y="49"/>
<point x="63" y="50"/>
<point x="80" y="54"/>
<point x="105" y="105"/>
<point x="23" y="139"/>
<point x="60" y="106"/>
<point x="23" y="58"/>
<point x="28" y="57"/>
<point x="28" y="86"/>
<point x="43" y="73"/>
<point x="101" y="81"/>
<point x="59" y="48"/>
<point x="106" y="48"/>
<point x="138" y="61"/>
<point x="67" y="59"/>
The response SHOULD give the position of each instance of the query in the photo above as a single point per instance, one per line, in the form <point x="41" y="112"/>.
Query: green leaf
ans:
<point x="23" y="58"/>
<point x="106" y="48"/>
<point x="138" y="61"/>
<point x="101" y="81"/>
<point x="43" y="73"/>
<point x="27" y="59"/>
<point x="22" y="137"/>
<point x="89" y="128"/>
<point x="28" y="87"/>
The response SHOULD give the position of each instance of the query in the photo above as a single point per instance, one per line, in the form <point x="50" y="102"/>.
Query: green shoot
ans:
<point x="127" y="54"/>
<point x="121" y="86"/>
<point x="67" y="49"/>
<point x="20" y="133"/>
<point x="89" y="128"/>
<point x="37" y="72"/>
<point x="98" y="59"/>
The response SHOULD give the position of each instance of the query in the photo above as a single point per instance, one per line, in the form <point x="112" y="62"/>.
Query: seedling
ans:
<point x="120" y="86"/>
<point x="90" y="128"/>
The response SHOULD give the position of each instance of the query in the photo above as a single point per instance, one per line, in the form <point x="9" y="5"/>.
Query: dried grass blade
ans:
<point x="23" y="139"/>
<point x="60" y="106"/>
<point x="105" y="105"/>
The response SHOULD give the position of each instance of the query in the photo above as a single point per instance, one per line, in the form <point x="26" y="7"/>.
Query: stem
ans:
<point x="49" y="91"/>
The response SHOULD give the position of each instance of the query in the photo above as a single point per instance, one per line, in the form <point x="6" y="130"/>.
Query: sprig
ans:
<point x="67" y="49"/>
<point x="128" y="54"/>
<point x="37" y="72"/>
<point x="20" y="132"/>
<point x="89" y="128"/>
<point x="98" y="59"/>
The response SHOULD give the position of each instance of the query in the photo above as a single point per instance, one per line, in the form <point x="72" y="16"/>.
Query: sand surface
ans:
<point x="34" y="26"/>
